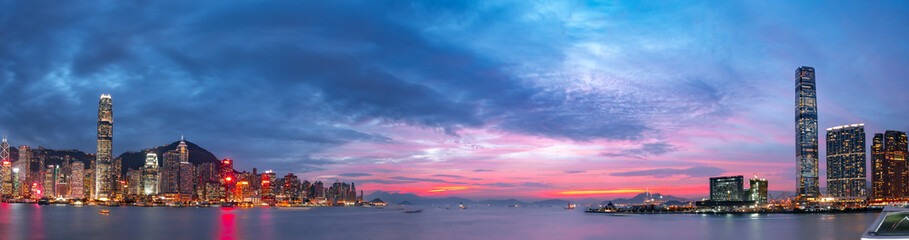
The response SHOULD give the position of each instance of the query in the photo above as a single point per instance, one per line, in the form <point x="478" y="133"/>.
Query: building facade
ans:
<point x="104" y="178"/>
<point x="846" y="174"/>
<point x="77" y="179"/>
<point x="727" y="188"/>
<point x="806" y="143"/>
<point x="888" y="158"/>
<point x="758" y="191"/>
<point x="150" y="174"/>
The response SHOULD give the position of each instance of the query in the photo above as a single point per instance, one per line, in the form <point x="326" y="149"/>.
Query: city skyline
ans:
<point x="587" y="101"/>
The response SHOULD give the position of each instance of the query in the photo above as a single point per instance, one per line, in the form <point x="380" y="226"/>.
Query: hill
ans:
<point x="641" y="197"/>
<point x="135" y="160"/>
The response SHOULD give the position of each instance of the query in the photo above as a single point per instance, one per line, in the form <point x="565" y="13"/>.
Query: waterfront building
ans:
<point x="727" y="188"/>
<point x="888" y="158"/>
<point x="846" y="161"/>
<point x="150" y="174"/>
<point x="77" y="179"/>
<point x="88" y="182"/>
<point x="806" y="135"/>
<point x="16" y="193"/>
<point x="104" y="176"/>
<point x="757" y="192"/>
<point x="25" y="157"/>
<point x="186" y="178"/>
<point x="6" y="177"/>
<point x="134" y="182"/>
<point x="170" y="173"/>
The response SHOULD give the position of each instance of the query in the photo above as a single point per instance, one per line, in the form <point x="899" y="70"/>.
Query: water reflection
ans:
<point x="227" y="228"/>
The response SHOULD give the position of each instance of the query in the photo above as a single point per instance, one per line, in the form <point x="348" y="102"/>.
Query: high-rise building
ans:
<point x="186" y="178"/>
<point x="170" y="173"/>
<point x="134" y="182"/>
<point x="888" y="160"/>
<point x="104" y="178"/>
<point x="806" y="134"/>
<point x="6" y="178"/>
<point x="846" y="161"/>
<point x="6" y="171"/>
<point x="758" y="191"/>
<point x="77" y="181"/>
<point x="25" y="156"/>
<point x="727" y="188"/>
<point x="150" y="174"/>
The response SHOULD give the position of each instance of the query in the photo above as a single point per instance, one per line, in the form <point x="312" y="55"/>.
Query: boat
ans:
<point x="892" y="223"/>
<point x="44" y="201"/>
<point x="571" y="206"/>
<point x="462" y="206"/>
<point x="413" y="211"/>
<point x="104" y="212"/>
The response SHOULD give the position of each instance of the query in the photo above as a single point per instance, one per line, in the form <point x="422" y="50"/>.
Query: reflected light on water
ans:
<point x="227" y="228"/>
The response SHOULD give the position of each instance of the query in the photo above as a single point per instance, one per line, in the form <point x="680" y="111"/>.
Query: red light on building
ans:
<point x="6" y="162"/>
<point x="227" y="178"/>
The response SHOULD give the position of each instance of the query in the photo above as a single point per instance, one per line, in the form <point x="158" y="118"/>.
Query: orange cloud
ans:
<point x="450" y="188"/>
<point x="596" y="192"/>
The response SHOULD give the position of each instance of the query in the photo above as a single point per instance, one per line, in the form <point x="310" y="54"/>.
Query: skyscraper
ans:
<point x="806" y="153"/>
<point x="186" y="178"/>
<point x="888" y="160"/>
<point x="846" y="161"/>
<point x="76" y="181"/>
<point x="25" y="156"/>
<point x="170" y="173"/>
<point x="150" y="174"/>
<point x="104" y="181"/>
<point x="6" y="178"/>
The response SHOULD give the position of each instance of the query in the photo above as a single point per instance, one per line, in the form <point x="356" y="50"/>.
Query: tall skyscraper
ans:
<point x="806" y="153"/>
<point x="150" y="174"/>
<point x="25" y="156"/>
<point x="6" y="178"/>
<point x="104" y="178"/>
<point x="888" y="160"/>
<point x="846" y="161"/>
<point x="186" y="178"/>
<point x="76" y="181"/>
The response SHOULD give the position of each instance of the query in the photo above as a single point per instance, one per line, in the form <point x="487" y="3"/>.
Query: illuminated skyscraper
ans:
<point x="846" y="161"/>
<point x="186" y="178"/>
<point x="104" y="178"/>
<point x="150" y="174"/>
<point x="6" y="178"/>
<point x="806" y="153"/>
<point x="888" y="160"/>
<point x="25" y="156"/>
<point x="170" y="173"/>
<point x="76" y="181"/>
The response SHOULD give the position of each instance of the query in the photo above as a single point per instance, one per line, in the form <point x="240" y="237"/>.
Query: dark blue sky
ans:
<point x="478" y="98"/>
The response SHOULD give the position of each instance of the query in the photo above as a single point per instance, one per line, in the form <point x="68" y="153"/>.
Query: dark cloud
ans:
<point x="482" y="170"/>
<point x="575" y="171"/>
<point x="692" y="172"/>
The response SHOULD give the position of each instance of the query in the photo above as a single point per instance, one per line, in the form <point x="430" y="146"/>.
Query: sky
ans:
<point x="478" y="99"/>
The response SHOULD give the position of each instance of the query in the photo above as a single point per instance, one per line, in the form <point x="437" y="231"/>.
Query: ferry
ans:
<point x="892" y="223"/>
